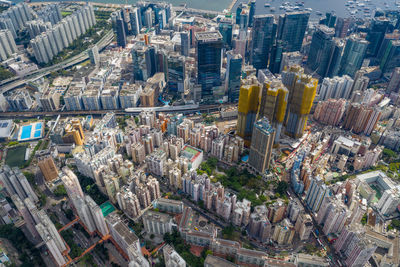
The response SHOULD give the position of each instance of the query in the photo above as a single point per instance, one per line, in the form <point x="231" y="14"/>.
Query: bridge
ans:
<point x="15" y="82"/>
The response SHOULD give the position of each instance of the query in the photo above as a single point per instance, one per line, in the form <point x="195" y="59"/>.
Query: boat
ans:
<point x="272" y="9"/>
<point x="308" y="9"/>
<point x="267" y="4"/>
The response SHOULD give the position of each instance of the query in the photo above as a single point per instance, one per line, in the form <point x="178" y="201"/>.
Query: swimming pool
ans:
<point x="26" y="132"/>
<point x="38" y="126"/>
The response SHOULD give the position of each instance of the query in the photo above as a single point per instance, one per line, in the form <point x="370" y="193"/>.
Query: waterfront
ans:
<point x="322" y="6"/>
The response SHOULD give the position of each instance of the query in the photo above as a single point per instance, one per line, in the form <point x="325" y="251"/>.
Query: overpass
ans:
<point x="186" y="109"/>
<point x="15" y="82"/>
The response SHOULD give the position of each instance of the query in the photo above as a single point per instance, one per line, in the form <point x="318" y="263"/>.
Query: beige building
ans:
<point x="48" y="168"/>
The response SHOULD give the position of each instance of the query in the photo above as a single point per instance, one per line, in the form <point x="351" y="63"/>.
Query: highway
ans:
<point x="136" y="111"/>
<point x="15" y="82"/>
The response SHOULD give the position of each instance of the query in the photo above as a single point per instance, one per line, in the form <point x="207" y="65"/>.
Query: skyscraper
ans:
<point x="291" y="30"/>
<point x="376" y="33"/>
<point x="353" y="55"/>
<point x="185" y="43"/>
<point x="320" y="53"/>
<point x="225" y="28"/>
<point x="252" y="11"/>
<point x="302" y="90"/>
<point x="262" y="141"/>
<point x="394" y="84"/>
<point x="262" y="40"/>
<point x="391" y="58"/>
<point x="274" y="100"/>
<point x="121" y="33"/>
<point x="249" y="99"/>
<point x="48" y="168"/>
<point x="208" y="53"/>
<point x="71" y="183"/>
<point x="233" y="75"/>
<point x="176" y="72"/>
<point x="336" y="87"/>
<point x="94" y="55"/>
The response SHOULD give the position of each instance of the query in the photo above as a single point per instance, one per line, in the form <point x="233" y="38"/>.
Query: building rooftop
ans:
<point x="208" y="36"/>
<point x="156" y="216"/>
<point x="213" y="261"/>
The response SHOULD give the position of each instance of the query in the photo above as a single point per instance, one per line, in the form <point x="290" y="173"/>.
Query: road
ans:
<point x="175" y="109"/>
<point x="15" y="82"/>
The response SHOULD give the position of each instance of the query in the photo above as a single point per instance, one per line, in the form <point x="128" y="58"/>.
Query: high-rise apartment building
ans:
<point x="249" y="99"/>
<point x="316" y="194"/>
<point x="336" y="87"/>
<point x="262" y="141"/>
<point x="7" y="44"/>
<point x="274" y="100"/>
<point x="16" y="183"/>
<point x="394" y="84"/>
<point x="302" y="90"/>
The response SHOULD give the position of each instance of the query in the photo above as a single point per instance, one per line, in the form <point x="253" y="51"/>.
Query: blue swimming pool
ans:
<point x="26" y="132"/>
<point x="37" y="134"/>
<point x="38" y="126"/>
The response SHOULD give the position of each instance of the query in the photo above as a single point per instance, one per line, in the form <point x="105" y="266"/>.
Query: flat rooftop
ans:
<point x="208" y="36"/>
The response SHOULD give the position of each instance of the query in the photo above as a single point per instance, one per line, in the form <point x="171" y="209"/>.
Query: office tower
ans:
<point x="126" y="18"/>
<point x="377" y="30"/>
<point x="225" y="28"/>
<point x="249" y="99"/>
<point x="353" y="55"/>
<point x="291" y="30"/>
<point x="94" y="55"/>
<point x="276" y="57"/>
<point x="239" y="9"/>
<point x="208" y="53"/>
<point x="302" y="90"/>
<point x="233" y="75"/>
<point x="176" y="72"/>
<point x="391" y="57"/>
<point x="335" y="58"/>
<point x="262" y="40"/>
<point x="319" y="56"/>
<point x="135" y="20"/>
<point x="7" y="44"/>
<point x="252" y="11"/>
<point x="71" y="184"/>
<point x="329" y="20"/>
<point x="316" y="194"/>
<point x="262" y="141"/>
<point x="121" y="33"/>
<point x="274" y="100"/>
<point x="139" y="62"/>
<point x="336" y="87"/>
<point x="48" y="168"/>
<point x="394" y="84"/>
<point x="16" y="183"/>
<point x="185" y="44"/>
<point x="244" y="18"/>
<point x="150" y="57"/>
<point x="342" y="27"/>
<point x="149" y="18"/>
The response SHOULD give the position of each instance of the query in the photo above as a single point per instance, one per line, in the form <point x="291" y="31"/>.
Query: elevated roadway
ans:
<point x="15" y="82"/>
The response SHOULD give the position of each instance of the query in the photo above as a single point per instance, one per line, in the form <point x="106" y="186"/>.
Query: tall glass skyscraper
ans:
<point x="376" y="34"/>
<point x="353" y="55"/>
<point x="291" y="30"/>
<point x="232" y="76"/>
<point x="321" y="50"/>
<point x="225" y="28"/>
<point x="391" y="58"/>
<point x="208" y="53"/>
<point x="263" y="33"/>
